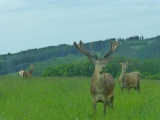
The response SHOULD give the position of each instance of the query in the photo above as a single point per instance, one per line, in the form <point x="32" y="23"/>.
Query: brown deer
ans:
<point x="102" y="84"/>
<point x="129" y="80"/>
<point x="28" y="74"/>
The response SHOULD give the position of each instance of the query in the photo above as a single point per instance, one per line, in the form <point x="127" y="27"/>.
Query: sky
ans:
<point x="30" y="24"/>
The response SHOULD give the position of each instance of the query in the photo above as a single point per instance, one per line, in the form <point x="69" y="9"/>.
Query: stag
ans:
<point x="129" y="80"/>
<point x="102" y="84"/>
<point x="28" y="74"/>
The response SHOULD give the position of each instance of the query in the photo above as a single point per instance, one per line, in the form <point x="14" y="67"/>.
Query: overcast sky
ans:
<point x="29" y="24"/>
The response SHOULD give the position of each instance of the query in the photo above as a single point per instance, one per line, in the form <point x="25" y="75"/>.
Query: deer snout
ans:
<point x="124" y="68"/>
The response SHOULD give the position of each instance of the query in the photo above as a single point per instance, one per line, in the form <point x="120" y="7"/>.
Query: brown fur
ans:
<point x="28" y="74"/>
<point x="129" y="80"/>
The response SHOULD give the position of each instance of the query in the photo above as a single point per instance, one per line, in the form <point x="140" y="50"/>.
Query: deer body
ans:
<point x="129" y="80"/>
<point x="102" y="84"/>
<point x="28" y="74"/>
<point x="102" y="89"/>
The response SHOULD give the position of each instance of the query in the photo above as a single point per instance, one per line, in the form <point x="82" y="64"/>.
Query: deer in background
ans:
<point x="129" y="80"/>
<point x="102" y="84"/>
<point x="27" y="74"/>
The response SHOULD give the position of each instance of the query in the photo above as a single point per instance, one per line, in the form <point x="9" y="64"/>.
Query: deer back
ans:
<point x="133" y="78"/>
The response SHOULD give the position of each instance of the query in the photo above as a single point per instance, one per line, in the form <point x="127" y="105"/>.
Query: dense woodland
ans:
<point x="143" y="53"/>
<point x="149" y="69"/>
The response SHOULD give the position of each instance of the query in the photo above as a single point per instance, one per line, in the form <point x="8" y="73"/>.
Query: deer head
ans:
<point x="124" y="64"/>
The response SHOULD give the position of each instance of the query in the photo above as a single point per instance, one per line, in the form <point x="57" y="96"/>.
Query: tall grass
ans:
<point x="63" y="98"/>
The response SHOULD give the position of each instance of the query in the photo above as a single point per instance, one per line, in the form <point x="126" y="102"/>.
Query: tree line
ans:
<point x="149" y="69"/>
<point x="133" y="46"/>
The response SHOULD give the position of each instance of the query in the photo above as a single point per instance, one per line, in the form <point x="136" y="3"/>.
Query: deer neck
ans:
<point x="123" y="74"/>
<point x="99" y="79"/>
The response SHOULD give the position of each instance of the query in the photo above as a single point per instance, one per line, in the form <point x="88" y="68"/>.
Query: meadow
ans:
<point x="68" y="98"/>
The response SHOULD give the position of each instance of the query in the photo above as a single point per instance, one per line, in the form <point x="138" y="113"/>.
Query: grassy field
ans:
<point x="56" y="98"/>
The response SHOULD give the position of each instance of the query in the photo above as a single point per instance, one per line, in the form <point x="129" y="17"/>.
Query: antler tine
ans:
<point x="81" y="48"/>
<point x="114" y="46"/>
<point x="87" y="52"/>
<point x="77" y="46"/>
<point x="93" y="51"/>
<point x="91" y="55"/>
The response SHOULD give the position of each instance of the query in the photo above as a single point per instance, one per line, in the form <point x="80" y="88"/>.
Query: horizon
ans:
<point x="69" y="44"/>
<point x="37" y="24"/>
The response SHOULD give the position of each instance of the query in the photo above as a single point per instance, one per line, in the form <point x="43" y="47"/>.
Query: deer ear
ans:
<point x="120" y="63"/>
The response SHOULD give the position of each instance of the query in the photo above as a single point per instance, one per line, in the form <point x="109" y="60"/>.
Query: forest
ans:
<point x="66" y="60"/>
<point x="149" y="69"/>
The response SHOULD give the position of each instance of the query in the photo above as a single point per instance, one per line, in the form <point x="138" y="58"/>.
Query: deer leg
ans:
<point x="138" y="87"/>
<point x="105" y="103"/>
<point x="111" y="101"/>
<point x="94" y="104"/>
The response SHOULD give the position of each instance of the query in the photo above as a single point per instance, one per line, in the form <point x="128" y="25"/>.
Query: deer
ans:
<point x="129" y="80"/>
<point x="27" y="74"/>
<point x="102" y="84"/>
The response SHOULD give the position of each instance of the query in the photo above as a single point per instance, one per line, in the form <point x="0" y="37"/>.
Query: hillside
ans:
<point x="50" y="56"/>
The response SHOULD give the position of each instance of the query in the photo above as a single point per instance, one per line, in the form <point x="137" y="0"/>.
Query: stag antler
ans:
<point x="81" y="48"/>
<point x="114" y="46"/>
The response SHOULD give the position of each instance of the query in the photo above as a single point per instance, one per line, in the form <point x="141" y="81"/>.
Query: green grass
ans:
<point x="56" y="98"/>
